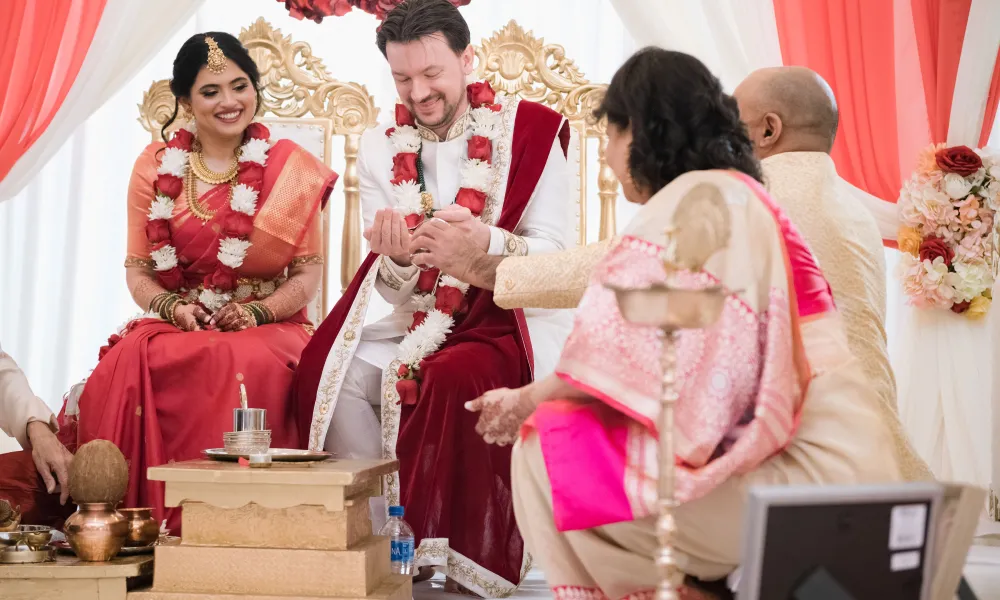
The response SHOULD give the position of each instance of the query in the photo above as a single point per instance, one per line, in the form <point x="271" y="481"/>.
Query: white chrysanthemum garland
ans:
<point x="948" y="209"/>
<point x="244" y="194"/>
<point x="439" y="299"/>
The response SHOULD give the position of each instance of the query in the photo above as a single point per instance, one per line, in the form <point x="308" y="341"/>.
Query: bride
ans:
<point x="224" y="253"/>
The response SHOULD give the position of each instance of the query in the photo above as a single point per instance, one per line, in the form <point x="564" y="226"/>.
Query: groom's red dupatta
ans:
<point x="452" y="483"/>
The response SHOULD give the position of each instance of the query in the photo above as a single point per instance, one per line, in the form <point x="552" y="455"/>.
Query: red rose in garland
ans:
<point x="480" y="148"/>
<point x="404" y="117"/>
<point x="158" y="231"/>
<point x="250" y="174"/>
<point x="407" y="390"/>
<point x="961" y="160"/>
<point x="237" y="225"/>
<point x="427" y="279"/>
<point x="404" y="167"/>
<point x="170" y="186"/>
<point x="474" y="200"/>
<point x="480" y="93"/>
<point x="171" y="279"/>
<point x="449" y="300"/>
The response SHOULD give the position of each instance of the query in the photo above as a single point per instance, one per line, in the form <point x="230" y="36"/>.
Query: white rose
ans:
<point x="956" y="186"/>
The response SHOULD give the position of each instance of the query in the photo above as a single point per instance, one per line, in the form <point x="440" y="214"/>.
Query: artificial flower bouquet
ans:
<point x="947" y="210"/>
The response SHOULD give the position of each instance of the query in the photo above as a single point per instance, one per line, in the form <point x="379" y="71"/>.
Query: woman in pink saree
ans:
<point x="769" y="395"/>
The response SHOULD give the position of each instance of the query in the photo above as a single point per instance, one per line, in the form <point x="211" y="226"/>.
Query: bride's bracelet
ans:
<point x="261" y="314"/>
<point x="164" y="305"/>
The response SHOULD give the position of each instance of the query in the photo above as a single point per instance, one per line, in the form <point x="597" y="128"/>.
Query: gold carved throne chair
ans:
<point x="515" y="62"/>
<point x="304" y="103"/>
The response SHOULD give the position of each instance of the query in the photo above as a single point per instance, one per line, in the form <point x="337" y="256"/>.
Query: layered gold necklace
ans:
<point x="198" y="169"/>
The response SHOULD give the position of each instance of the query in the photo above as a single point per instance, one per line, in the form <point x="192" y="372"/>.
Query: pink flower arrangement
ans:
<point x="317" y="10"/>
<point x="947" y="210"/>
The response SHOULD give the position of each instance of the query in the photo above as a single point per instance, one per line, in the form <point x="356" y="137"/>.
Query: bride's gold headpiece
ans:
<point x="216" y="59"/>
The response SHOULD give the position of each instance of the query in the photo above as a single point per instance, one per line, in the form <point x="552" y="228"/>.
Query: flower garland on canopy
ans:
<point x="316" y="10"/>
<point x="439" y="300"/>
<point x="948" y="208"/>
<point x="236" y="226"/>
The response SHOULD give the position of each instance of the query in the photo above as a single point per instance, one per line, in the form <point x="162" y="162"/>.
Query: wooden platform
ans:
<point x="69" y="578"/>
<point x="295" y="531"/>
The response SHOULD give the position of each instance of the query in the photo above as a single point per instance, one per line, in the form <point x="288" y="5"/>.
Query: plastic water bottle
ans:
<point x="400" y="541"/>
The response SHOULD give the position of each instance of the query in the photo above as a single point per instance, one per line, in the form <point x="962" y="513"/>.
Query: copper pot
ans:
<point x="96" y="531"/>
<point x="142" y="527"/>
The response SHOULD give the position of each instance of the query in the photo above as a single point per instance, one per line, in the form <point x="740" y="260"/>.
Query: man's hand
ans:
<point x="444" y="246"/>
<point x="50" y="457"/>
<point x="461" y="218"/>
<point x="390" y="237"/>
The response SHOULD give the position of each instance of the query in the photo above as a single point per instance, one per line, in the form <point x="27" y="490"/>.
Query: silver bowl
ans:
<point x="33" y="536"/>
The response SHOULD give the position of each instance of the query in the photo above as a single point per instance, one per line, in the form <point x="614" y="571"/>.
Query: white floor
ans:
<point x="982" y="571"/>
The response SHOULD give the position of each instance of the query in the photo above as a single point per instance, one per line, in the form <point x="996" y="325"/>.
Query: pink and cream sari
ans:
<point x="768" y="395"/>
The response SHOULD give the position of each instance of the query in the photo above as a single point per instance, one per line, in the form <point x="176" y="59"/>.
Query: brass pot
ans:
<point x="96" y="531"/>
<point x="142" y="527"/>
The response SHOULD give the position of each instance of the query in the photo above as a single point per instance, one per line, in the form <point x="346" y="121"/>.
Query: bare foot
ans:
<point x="423" y="574"/>
<point x="453" y="587"/>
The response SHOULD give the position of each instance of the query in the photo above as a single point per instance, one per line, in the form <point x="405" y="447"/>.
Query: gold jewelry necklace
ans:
<point x="199" y="211"/>
<point x="197" y="165"/>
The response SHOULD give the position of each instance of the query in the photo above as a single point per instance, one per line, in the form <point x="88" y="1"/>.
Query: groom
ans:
<point x="459" y="171"/>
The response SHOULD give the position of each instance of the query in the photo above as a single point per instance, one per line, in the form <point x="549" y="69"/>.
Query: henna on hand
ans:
<point x="295" y="293"/>
<point x="143" y="286"/>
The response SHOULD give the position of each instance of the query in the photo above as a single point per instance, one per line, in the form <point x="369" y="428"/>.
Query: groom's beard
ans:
<point x="447" y="115"/>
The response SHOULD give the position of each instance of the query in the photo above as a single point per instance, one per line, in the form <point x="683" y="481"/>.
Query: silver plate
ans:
<point x="277" y="455"/>
<point x="166" y="540"/>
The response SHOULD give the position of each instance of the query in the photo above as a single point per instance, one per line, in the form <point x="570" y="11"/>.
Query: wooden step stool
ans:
<point x="295" y="531"/>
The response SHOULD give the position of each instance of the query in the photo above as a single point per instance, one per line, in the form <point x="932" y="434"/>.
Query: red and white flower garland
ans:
<point x="439" y="300"/>
<point x="237" y="225"/>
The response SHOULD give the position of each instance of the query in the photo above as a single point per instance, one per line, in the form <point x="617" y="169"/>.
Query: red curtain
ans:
<point x="991" y="104"/>
<point x="851" y="44"/>
<point x="940" y="30"/>
<point x="42" y="48"/>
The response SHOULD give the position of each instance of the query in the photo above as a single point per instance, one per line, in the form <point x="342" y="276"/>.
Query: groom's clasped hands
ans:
<point x="450" y="241"/>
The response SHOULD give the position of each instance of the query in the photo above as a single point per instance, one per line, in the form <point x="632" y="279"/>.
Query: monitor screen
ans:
<point x="872" y="541"/>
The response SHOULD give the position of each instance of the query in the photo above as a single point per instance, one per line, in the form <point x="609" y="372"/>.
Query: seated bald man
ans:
<point x="792" y="118"/>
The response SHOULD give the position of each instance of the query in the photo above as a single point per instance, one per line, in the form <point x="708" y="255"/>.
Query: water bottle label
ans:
<point x="401" y="550"/>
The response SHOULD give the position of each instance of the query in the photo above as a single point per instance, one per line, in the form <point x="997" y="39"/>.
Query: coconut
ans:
<point x="10" y="517"/>
<point x="98" y="473"/>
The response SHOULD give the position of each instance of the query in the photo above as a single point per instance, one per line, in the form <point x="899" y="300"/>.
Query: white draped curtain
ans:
<point x="944" y="362"/>
<point x="62" y="235"/>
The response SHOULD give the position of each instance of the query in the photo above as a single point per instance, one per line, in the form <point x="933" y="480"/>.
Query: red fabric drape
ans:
<point x="850" y="43"/>
<point x="43" y="46"/>
<point x="940" y="30"/>
<point x="991" y="104"/>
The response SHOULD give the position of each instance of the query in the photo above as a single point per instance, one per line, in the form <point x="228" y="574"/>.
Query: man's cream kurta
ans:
<point x="847" y="244"/>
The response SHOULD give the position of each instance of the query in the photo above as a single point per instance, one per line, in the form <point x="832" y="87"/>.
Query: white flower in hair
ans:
<point x="423" y="302"/>
<point x="232" y="251"/>
<point x="244" y="199"/>
<point x="407" y="196"/>
<point x="165" y="258"/>
<point x="162" y="207"/>
<point x="448" y="280"/>
<point x="476" y="175"/>
<point x="405" y="139"/>
<point x="213" y="300"/>
<point x="255" y="151"/>
<point x="174" y="162"/>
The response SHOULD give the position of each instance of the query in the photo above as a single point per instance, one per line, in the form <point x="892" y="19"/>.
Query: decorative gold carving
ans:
<point x="515" y="62"/>
<point x="296" y="84"/>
